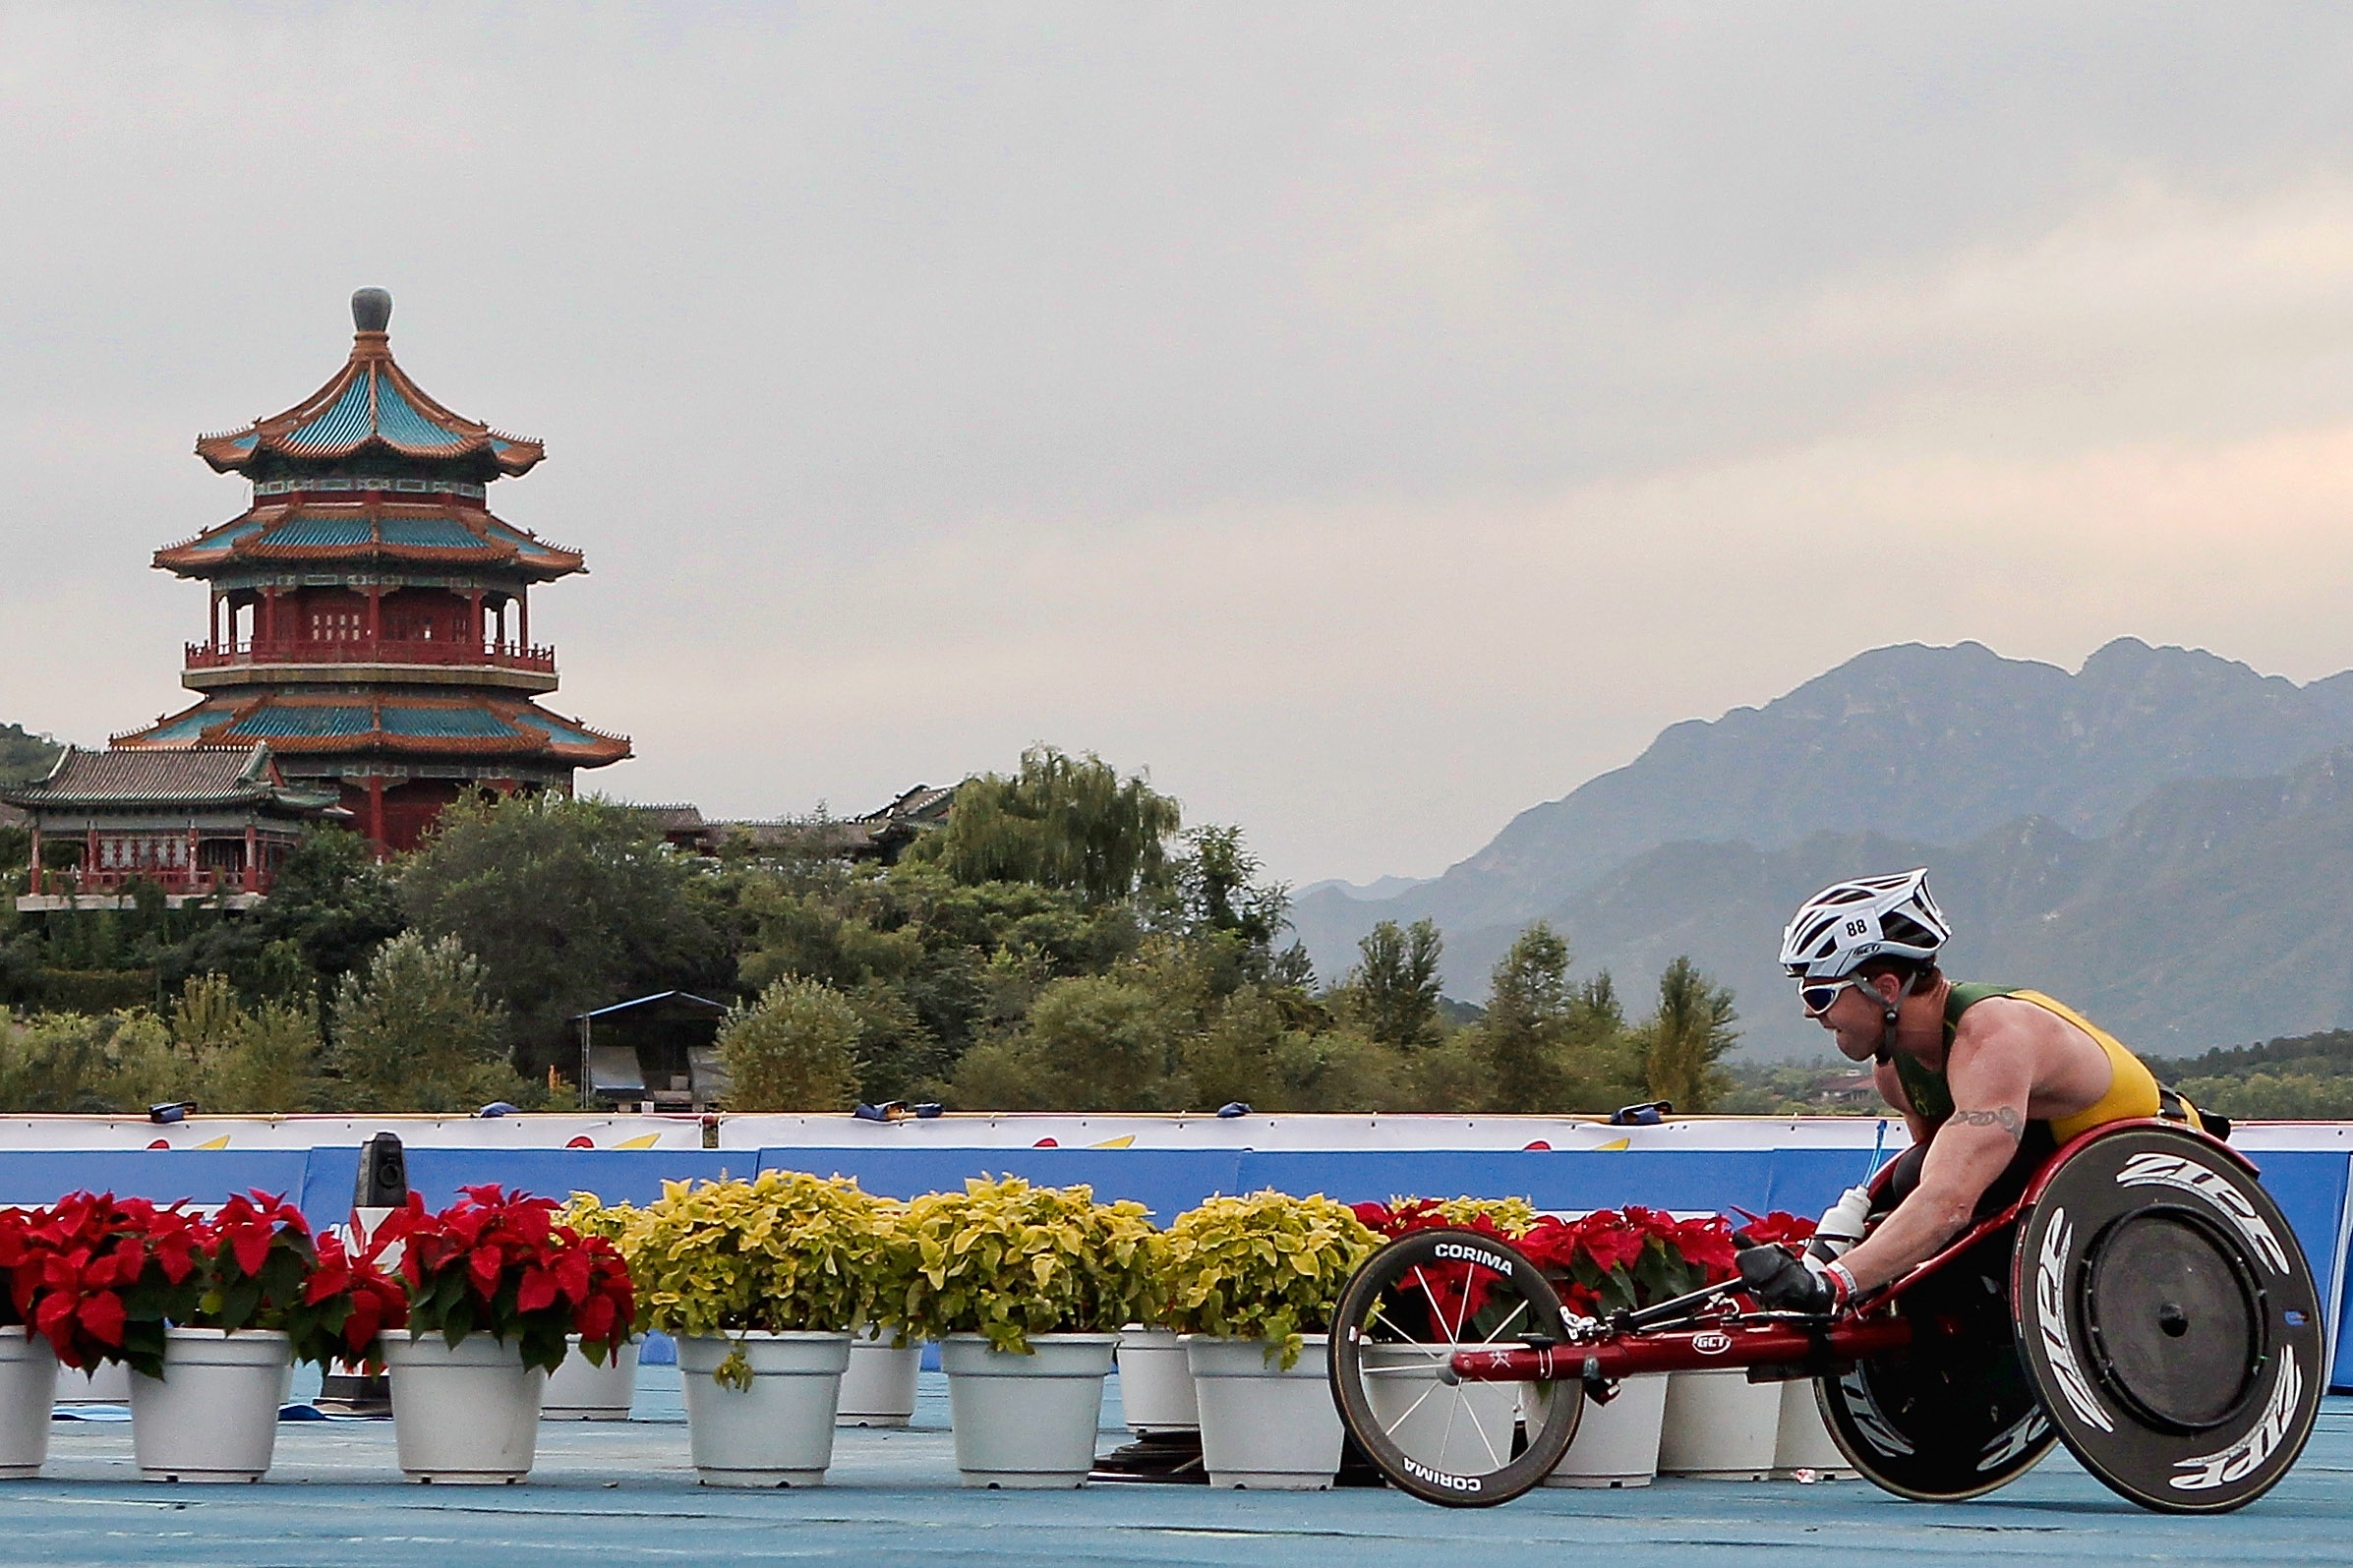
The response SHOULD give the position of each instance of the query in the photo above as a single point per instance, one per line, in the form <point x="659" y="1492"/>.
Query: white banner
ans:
<point x="1027" y="1129"/>
<point x="343" y="1132"/>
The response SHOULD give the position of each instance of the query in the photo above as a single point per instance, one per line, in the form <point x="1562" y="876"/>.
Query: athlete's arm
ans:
<point x="1991" y="1069"/>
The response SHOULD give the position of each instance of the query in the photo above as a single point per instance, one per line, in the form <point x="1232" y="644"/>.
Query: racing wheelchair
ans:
<point x="2142" y="1301"/>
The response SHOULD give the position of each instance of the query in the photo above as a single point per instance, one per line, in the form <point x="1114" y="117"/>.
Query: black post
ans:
<point x="380" y="1187"/>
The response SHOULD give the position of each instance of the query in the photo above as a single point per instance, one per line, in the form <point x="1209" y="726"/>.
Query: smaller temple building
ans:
<point x="199" y="822"/>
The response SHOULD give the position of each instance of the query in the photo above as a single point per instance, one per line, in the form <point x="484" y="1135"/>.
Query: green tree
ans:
<point x="571" y="903"/>
<point x="794" y="1049"/>
<point x="1527" y="1017"/>
<point x="23" y="755"/>
<point x="418" y="1032"/>
<point x="1218" y="889"/>
<point x="1091" y="1042"/>
<point x="1684" y="1038"/>
<point x="269" y="1068"/>
<point x="334" y="904"/>
<point x="1061" y="822"/>
<point x="1238" y="1056"/>
<point x="84" y="1064"/>
<point x="1393" y="990"/>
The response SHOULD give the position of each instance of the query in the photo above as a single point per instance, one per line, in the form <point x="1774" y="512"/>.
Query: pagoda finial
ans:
<point x="372" y="309"/>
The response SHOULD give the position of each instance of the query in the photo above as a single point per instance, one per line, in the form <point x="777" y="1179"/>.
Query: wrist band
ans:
<point x="1842" y="1282"/>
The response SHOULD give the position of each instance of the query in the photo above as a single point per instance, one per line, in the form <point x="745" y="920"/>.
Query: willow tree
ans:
<point x="1060" y="822"/>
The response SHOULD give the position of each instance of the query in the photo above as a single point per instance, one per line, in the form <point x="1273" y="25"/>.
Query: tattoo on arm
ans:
<point x="2005" y="1117"/>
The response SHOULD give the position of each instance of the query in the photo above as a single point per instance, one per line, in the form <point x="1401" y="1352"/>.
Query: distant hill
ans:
<point x="23" y="755"/>
<point x="2215" y="912"/>
<point x="1930" y="747"/>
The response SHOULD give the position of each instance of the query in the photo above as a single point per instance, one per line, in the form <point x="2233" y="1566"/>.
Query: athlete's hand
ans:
<point x="1786" y="1284"/>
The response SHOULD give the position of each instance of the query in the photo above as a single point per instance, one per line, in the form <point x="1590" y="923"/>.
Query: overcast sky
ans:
<point x="1371" y="420"/>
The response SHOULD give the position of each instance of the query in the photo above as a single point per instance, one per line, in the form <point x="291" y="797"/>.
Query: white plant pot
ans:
<point x="580" y="1390"/>
<point x="1719" y="1427"/>
<point x="1261" y="1427"/>
<point x="463" y="1415"/>
<point x="1026" y="1421"/>
<point x="1156" y="1382"/>
<point x="778" y="1432"/>
<point x="1802" y="1440"/>
<point x="1618" y="1443"/>
<point x="28" y="1391"/>
<point x="1461" y="1427"/>
<point x="213" y="1414"/>
<point x="107" y="1384"/>
<point x="879" y="1389"/>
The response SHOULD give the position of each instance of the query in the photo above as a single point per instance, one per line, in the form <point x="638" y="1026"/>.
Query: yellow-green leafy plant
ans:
<point x="1267" y="1267"/>
<point x="591" y="1215"/>
<point x="784" y="1252"/>
<point x="1511" y="1215"/>
<point x="1008" y="1260"/>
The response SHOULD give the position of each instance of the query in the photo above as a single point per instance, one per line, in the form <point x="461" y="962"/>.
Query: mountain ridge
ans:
<point x="1920" y="743"/>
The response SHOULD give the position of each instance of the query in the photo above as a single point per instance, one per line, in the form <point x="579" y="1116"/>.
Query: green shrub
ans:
<point x="1007" y="1259"/>
<point x="794" y="1049"/>
<point x="1268" y="1267"/>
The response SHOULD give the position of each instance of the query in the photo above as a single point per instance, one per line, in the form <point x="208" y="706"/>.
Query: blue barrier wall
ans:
<point x="33" y="1177"/>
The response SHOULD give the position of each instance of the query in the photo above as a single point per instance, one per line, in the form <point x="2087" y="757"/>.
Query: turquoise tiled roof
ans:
<point x="188" y="725"/>
<point x="562" y="735"/>
<point x="289" y="720"/>
<point x="304" y="529"/>
<point x="371" y="404"/>
<point x="344" y="422"/>
<point x="428" y="533"/>
<point x="397" y="422"/>
<point x="445" y="723"/>
<point x="223" y="541"/>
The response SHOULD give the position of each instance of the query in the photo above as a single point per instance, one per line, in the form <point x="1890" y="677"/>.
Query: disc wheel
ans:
<point x="2169" y="1320"/>
<point x="1952" y="1414"/>
<point x="1401" y="1322"/>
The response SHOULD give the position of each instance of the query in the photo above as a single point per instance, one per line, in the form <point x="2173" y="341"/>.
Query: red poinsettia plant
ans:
<point x="1780" y="1228"/>
<point x="1455" y="1291"/>
<point x="93" y="1275"/>
<point x="1616" y="1259"/>
<point x="499" y="1264"/>
<point x="101" y="1278"/>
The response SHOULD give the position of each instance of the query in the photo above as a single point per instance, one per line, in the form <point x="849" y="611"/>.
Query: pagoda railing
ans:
<point x="175" y="879"/>
<point x="370" y="651"/>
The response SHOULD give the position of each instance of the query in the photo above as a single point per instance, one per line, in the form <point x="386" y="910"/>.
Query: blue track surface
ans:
<point x="617" y="1495"/>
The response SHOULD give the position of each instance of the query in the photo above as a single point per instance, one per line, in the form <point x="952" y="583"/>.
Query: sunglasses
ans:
<point x="1818" y="996"/>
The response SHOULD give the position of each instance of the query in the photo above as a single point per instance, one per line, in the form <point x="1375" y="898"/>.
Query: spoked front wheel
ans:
<point x="1401" y="1321"/>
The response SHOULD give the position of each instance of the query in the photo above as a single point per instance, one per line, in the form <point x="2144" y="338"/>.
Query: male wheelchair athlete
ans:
<point x="2143" y="1301"/>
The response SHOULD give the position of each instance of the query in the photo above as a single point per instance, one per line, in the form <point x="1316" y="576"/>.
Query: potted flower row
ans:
<point x="212" y="1312"/>
<point x="768" y="1284"/>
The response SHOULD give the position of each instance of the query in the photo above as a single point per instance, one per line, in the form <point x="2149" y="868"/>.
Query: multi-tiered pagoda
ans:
<point x="371" y="616"/>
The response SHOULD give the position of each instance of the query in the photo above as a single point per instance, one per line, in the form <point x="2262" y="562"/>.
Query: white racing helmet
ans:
<point x="1848" y="923"/>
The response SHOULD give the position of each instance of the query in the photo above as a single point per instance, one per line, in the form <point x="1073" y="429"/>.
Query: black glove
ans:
<point x="1780" y="1281"/>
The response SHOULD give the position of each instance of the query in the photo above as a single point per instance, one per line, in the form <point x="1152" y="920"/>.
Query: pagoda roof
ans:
<point x="194" y="776"/>
<point x="368" y="404"/>
<point x="299" y="723"/>
<point x="423" y="532"/>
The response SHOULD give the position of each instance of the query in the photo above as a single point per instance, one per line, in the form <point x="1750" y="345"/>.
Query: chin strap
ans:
<point x="1887" y="1039"/>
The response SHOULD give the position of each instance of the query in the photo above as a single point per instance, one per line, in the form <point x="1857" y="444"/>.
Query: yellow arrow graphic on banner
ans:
<point x="644" y="1141"/>
<point x="1114" y="1142"/>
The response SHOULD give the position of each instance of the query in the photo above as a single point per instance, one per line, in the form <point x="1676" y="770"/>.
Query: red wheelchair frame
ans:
<point x="2178" y="1211"/>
